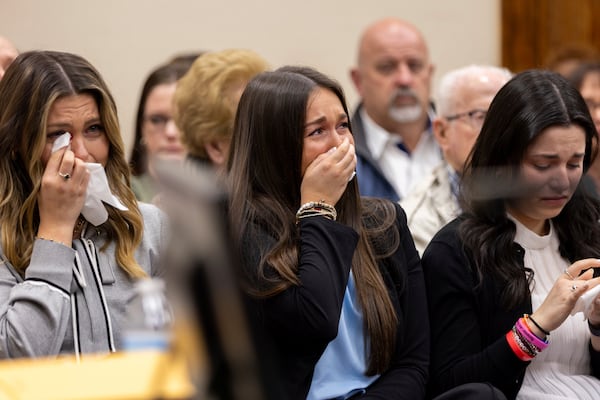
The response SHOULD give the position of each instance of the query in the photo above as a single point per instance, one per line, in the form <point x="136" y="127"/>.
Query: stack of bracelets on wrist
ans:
<point x="523" y="342"/>
<point x="315" y="208"/>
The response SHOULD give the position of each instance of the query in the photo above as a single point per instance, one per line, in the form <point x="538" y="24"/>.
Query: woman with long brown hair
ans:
<point x="335" y="280"/>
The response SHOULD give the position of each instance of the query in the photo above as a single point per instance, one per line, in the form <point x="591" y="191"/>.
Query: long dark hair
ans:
<point x="527" y="105"/>
<point x="264" y="171"/>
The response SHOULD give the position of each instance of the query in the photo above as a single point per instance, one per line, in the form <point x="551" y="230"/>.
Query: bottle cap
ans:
<point x="146" y="285"/>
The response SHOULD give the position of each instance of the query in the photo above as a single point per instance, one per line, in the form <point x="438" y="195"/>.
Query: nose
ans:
<point x="171" y="129"/>
<point x="78" y="147"/>
<point x="403" y="76"/>
<point x="560" y="180"/>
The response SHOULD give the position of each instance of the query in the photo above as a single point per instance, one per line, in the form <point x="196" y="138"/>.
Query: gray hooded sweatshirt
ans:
<point x="73" y="299"/>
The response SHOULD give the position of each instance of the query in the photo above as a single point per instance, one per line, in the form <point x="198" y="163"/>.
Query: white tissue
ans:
<point x="584" y="303"/>
<point x="98" y="190"/>
<point x="61" y="141"/>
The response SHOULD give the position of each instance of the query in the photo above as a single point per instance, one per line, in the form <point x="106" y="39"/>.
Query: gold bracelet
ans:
<point x="313" y="208"/>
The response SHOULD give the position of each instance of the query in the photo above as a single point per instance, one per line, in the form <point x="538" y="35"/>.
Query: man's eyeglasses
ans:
<point x="476" y="117"/>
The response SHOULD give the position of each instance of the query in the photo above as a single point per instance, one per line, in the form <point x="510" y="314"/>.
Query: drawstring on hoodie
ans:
<point x="92" y="256"/>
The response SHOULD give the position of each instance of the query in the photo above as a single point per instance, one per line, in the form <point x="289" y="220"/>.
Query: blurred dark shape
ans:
<point x="202" y="271"/>
<point x="565" y="59"/>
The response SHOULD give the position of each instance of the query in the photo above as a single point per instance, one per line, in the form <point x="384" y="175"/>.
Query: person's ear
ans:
<point x="439" y="126"/>
<point x="217" y="151"/>
<point x="431" y="69"/>
<point x="355" y="75"/>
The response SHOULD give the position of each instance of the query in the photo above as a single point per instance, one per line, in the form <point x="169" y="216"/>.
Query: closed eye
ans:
<point x="158" y="119"/>
<point x="415" y="66"/>
<point x="386" y="68"/>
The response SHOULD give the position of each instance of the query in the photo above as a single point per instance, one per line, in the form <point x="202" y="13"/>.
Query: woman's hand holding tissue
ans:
<point x="62" y="196"/>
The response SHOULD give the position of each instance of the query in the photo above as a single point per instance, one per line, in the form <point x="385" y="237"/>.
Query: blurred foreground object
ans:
<point x="203" y="286"/>
<point x="149" y="322"/>
<point x="132" y="376"/>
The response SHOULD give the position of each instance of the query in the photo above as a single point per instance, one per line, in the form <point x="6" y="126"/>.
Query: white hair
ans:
<point x="451" y="83"/>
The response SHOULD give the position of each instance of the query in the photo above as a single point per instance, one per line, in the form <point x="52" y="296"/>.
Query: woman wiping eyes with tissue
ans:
<point x="97" y="190"/>
<point x="73" y="238"/>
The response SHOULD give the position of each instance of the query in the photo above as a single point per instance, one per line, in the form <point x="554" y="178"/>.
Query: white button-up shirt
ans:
<point x="401" y="169"/>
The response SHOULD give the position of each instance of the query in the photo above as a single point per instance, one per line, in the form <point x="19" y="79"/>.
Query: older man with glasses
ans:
<point x="464" y="96"/>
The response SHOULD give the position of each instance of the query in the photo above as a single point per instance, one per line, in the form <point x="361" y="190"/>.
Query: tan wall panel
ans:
<point x="124" y="39"/>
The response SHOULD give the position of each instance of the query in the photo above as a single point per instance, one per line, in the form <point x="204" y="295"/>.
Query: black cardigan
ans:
<point x="468" y="325"/>
<point x="302" y="320"/>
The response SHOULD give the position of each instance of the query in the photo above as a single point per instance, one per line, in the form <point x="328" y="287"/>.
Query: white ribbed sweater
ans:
<point x="562" y="371"/>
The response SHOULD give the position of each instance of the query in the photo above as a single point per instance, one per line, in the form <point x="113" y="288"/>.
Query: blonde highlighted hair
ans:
<point x="207" y="95"/>
<point x="33" y="82"/>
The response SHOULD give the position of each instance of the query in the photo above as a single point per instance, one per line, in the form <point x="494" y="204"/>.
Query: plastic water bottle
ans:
<point x="149" y="317"/>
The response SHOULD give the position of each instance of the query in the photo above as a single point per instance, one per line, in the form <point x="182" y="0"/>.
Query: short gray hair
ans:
<point x="457" y="78"/>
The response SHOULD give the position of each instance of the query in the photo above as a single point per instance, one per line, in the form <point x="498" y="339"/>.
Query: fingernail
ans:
<point x="331" y="150"/>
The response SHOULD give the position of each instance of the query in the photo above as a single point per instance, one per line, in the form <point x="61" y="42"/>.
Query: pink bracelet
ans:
<point x="511" y="338"/>
<point x="524" y="331"/>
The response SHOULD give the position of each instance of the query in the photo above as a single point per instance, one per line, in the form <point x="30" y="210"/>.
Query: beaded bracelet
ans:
<point x="316" y="208"/>
<point x="313" y="213"/>
<point x="523" y="329"/>
<point x="525" y="344"/>
<point x="527" y="348"/>
<point x="517" y="350"/>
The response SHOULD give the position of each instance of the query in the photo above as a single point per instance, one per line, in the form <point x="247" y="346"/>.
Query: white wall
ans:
<point x="125" y="39"/>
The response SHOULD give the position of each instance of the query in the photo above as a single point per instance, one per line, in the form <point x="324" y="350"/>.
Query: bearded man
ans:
<point x="392" y="131"/>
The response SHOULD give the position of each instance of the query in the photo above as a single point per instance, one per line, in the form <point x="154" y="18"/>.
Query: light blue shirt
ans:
<point x="340" y="372"/>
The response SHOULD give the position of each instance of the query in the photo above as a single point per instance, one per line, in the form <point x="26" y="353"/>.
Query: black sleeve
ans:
<point x="310" y="312"/>
<point x="460" y="352"/>
<point x="407" y="376"/>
